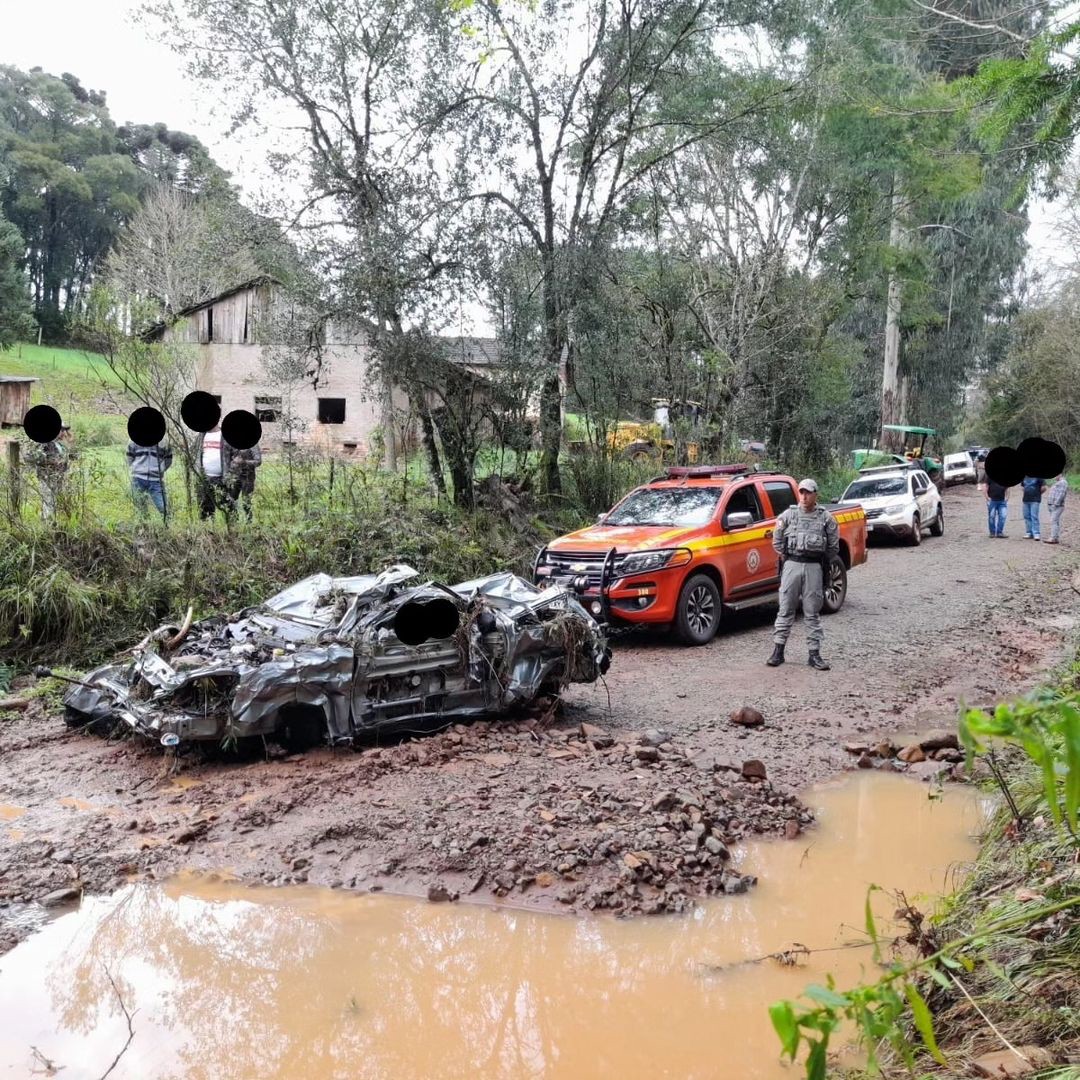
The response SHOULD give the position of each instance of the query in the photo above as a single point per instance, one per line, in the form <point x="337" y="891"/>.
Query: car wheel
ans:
<point x="835" y="587"/>
<point x="697" y="617"/>
<point x="916" y="531"/>
<point x="937" y="526"/>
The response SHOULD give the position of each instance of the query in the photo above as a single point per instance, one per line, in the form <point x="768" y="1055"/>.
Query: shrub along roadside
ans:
<point x="999" y="969"/>
<point x="75" y="595"/>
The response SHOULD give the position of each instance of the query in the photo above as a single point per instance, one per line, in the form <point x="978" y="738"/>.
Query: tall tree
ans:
<point x="15" y="318"/>
<point x="66" y="186"/>
<point x="563" y="109"/>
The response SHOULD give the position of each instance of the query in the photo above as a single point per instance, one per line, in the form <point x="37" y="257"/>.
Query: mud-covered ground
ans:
<point x="627" y="799"/>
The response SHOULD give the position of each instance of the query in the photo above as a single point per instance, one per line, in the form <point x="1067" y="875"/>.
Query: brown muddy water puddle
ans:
<point x="227" y="981"/>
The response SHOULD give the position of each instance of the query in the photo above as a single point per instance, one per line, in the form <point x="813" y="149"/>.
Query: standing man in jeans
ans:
<point x="148" y="466"/>
<point x="1033" y="489"/>
<point x="997" y="507"/>
<point x="1055" y="503"/>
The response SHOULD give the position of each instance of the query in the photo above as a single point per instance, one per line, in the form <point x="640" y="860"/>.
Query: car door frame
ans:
<point x="924" y="499"/>
<point x="740" y="576"/>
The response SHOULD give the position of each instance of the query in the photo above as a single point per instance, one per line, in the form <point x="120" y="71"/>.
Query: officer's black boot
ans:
<point x="777" y="657"/>
<point x="816" y="661"/>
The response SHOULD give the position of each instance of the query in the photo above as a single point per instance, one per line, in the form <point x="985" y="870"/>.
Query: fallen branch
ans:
<point x="127" y="1015"/>
<point x="173" y="642"/>
<point x="14" y="703"/>
<point x="989" y="1023"/>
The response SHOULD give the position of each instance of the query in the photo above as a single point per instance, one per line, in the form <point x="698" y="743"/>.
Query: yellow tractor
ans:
<point x="651" y="441"/>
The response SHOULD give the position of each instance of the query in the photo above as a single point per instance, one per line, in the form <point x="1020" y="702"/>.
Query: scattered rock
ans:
<point x="858" y="748"/>
<point x="1007" y="1064"/>
<point x="753" y="770"/>
<point x="60" y="896"/>
<point x="655" y="737"/>
<point x="299" y="863"/>
<point x="438" y="893"/>
<point x="647" y="753"/>
<point x="747" y="717"/>
<point x="865" y="762"/>
<point x="792" y="829"/>
<point x="940" y="740"/>
<point x="886" y="748"/>
<point x="927" y="770"/>
<point x="911" y="754"/>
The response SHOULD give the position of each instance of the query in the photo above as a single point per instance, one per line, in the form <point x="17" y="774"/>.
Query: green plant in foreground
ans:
<point x="1046" y="726"/>
<point x="879" y="1010"/>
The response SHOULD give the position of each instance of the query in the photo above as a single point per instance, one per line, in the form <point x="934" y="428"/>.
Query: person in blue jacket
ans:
<point x="1033" y="489"/>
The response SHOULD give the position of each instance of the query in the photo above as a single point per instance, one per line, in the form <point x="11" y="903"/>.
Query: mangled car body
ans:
<point x="329" y="659"/>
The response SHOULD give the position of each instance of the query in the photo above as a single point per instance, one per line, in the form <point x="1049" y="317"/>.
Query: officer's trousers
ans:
<point x="805" y="580"/>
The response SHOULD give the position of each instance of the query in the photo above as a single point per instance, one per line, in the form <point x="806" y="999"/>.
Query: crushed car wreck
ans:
<point x="329" y="659"/>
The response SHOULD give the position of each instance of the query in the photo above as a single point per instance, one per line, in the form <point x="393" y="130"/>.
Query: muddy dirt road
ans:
<point x="627" y="800"/>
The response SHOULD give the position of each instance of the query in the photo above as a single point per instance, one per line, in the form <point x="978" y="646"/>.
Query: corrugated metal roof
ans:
<point x="18" y="378"/>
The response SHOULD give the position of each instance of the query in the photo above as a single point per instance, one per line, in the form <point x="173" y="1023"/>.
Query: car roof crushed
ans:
<point x="347" y="655"/>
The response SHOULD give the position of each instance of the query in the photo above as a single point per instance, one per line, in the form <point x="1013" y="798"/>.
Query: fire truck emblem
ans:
<point x="753" y="560"/>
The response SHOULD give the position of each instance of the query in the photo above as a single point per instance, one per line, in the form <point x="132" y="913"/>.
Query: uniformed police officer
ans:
<point x="807" y="539"/>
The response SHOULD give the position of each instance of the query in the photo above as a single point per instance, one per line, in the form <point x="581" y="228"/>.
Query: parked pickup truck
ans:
<point x="686" y="545"/>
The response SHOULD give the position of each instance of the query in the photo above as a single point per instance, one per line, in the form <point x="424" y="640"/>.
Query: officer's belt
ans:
<point x="804" y="558"/>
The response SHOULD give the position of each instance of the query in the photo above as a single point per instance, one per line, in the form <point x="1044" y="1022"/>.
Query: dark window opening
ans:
<point x="331" y="410"/>
<point x="267" y="409"/>
<point x="780" y="497"/>
<point x="209" y="324"/>
<point x="744" y="501"/>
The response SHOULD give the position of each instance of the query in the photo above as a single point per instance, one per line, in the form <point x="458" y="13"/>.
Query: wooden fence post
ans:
<point x="13" y="480"/>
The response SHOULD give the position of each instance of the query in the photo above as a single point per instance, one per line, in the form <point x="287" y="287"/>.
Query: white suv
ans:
<point x="959" y="469"/>
<point x="898" y="502"/>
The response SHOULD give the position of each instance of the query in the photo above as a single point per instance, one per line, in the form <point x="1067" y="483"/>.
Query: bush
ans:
<point x="83" y="590"/>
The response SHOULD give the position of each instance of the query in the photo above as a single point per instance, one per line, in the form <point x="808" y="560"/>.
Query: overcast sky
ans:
<point x="99" y="41"/>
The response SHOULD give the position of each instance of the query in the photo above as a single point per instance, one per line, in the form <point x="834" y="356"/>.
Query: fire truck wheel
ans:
<point x="697" y="617"/>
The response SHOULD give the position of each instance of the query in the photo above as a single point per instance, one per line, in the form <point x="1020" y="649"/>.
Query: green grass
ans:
<point x="70" y="379"/>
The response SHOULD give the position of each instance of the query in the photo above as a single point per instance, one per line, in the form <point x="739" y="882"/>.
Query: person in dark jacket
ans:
<point x="51" y="462"/>
<point x="997" y="507"/>
<point x="1033" y="489"/>
<point x="242" y="468"/>
<point x="148" y="465"/>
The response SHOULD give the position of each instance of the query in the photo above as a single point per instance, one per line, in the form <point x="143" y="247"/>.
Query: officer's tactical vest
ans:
<point x="804" y="534"/>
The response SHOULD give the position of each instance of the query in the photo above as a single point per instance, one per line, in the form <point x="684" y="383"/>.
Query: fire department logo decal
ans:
<point x="753" y="560"/>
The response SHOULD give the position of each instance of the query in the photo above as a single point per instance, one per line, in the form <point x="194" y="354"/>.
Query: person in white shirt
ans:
<point x="213" y="460"/>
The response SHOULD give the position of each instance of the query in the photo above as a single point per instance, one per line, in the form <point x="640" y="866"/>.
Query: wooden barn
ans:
<point x="14" y="399"/>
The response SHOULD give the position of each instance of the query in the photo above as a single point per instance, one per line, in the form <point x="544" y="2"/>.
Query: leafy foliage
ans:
<point x="1046" y="726"/>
